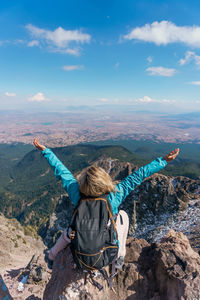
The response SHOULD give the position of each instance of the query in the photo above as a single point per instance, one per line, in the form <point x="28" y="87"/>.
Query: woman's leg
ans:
<point x="61" y="243"/>
<point x="122" y="225"/>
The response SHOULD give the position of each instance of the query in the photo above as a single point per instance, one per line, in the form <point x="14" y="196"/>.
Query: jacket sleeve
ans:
<point x="70" y="184"/>
<point x="127" y="185"/>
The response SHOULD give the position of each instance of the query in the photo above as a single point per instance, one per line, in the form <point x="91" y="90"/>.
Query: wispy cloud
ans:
<point x="18" y="41"/>
<point x="33" y="43"/>
<point x="104" y="100"/>
<point x="73" y="67"/>
<point x="58" y="40"/>
<point x="7" y="94"/>
<point x="147" y="99"/>
<point x="39" y="97"/>
<point x="12" y="42"/>
<point x="149" y="59"/>
<point x="166" y="32"/>
<point x="195" y="82"/>
<point x="72" y="51"/>
<point x="161" y="71"/>
<point x="190" y="56"/>
<point x="117" y="65"/>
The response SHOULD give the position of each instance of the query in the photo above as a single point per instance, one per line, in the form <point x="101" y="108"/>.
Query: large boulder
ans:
<point x="169" y="270"/>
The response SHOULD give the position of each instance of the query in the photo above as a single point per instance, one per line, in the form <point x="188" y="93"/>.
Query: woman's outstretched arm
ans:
<point x="136" y="178"/>
<point x="70" y="184"/>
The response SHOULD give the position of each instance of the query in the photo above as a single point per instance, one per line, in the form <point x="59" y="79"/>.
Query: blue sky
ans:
<point x="59" y="53"/>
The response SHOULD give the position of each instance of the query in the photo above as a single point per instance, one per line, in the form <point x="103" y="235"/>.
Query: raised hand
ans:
<point x="172" y="155"/>
<point x="37" y="145"/>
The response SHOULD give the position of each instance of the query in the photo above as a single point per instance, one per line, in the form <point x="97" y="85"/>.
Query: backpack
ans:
<point x="93" y="235"/>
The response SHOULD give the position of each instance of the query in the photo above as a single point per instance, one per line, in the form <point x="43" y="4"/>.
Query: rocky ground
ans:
<point x="18" y="246"/>
<point x="169" y="270"/>
<point x="158" y="268"/>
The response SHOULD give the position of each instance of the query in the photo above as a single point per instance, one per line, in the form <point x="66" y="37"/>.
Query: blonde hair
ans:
<point x="94" y="181"/>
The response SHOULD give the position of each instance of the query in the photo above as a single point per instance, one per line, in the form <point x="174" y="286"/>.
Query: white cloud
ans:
<point x="10" y="94"/>
<point x="166" y="32"/>
<point x="39" y="97"/>
<point x="75" y="51"/>
<point x="71" y="51"/>
<point x="147" y="99"/>
<point x="33" y="43"/>
<point x="189" y="56"/>
<point x="59" y="39"/>
<point x="149" y="59"/>
<point x="195" y="82"/>
<point x="104" y="100"/>
<point x="161" y="71"/>
<point x="72" y="67"/>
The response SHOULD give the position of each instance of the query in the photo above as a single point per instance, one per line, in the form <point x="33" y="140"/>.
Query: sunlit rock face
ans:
<point x="19" y="245"/>
<point x="162" y="203"/>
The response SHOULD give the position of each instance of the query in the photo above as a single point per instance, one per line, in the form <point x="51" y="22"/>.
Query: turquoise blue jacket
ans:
<point x="123" y="189"/>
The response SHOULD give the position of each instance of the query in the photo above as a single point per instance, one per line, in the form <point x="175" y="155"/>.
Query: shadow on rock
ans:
<point x="32" y="297"/>
<point x="14" y="273"/>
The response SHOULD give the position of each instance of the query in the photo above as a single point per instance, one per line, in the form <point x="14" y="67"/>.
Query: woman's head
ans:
<point x="94" y="181"/>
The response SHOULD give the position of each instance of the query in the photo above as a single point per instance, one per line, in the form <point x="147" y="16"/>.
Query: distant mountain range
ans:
<point x="154" y="109"/>
<point x="186" y="116"/>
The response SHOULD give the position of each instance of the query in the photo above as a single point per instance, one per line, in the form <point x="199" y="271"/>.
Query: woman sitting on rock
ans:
<point x="95" y="182"/>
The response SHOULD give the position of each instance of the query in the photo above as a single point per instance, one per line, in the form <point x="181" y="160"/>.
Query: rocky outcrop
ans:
<point x="169" y="270"/>
<point x="158" y="199"/>
<point x="19" y="244"/>
<point x="21" y="253"/>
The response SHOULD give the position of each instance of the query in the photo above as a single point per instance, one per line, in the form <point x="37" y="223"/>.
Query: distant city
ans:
<point x="86" y="125"/>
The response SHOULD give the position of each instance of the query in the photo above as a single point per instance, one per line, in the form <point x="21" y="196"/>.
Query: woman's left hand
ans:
<point x="172" y="155"/>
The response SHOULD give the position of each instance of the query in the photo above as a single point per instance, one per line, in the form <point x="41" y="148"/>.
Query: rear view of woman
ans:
<point x="95" y="182"/>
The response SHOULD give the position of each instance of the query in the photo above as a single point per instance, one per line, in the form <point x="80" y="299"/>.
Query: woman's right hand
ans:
<point x="37" y="145"/>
